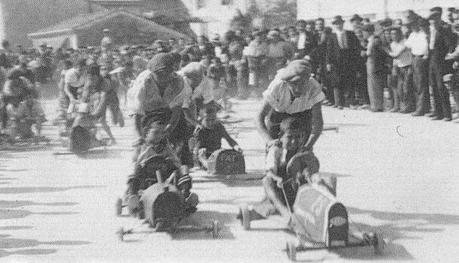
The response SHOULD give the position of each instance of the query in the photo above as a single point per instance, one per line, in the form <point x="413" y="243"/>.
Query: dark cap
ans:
<point x="295" y="70"/>
<point x="386" y="22"/>
<point x="436" y="9"/>
<point x="337" y="20"/>
<point x="356" y="17"/>
<point x="434" y="16"/>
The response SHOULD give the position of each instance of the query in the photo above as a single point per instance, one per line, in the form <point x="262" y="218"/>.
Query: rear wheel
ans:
<point x="120" y="234"/>
<point x="378" y="244"/>
<point x="119" y="207"/>
<point x="245" y="217"/>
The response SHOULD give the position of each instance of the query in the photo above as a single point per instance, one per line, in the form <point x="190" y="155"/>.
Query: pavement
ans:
<point x="397" y="175"/>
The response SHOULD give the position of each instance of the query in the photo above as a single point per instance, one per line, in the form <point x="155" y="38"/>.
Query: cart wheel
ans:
<point x="378" y="244"/>
<point x="215" y="228"/>
<point x="133" y="204"/>
<point x="245" y="217"/>
<point x="119" y="207"/>
<point x="120" y="234"/>
<point x="291" y="251"/>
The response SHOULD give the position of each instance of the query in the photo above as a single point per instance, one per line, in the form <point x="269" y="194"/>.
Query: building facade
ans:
<point x="87" y="30"/>
<point x="20" y="17"/>
<point x="374" y="9"/>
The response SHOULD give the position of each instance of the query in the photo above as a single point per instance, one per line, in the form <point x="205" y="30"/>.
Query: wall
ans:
<point x="21" y="17"/>
<point x="65" y="40"/>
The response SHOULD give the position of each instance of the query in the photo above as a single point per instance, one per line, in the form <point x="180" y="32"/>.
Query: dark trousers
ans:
<point x="404" y="94"/>
<point x="361" y="84"/>
<point x="442" y="107"/>
<point x="345" y="88"/>
<point x="421" y="84"/>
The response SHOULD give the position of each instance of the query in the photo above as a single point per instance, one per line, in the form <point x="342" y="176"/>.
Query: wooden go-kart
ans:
<point x="22" y="140"/>
<point x="317" y="218"/>
<point x="226" y="162"/>
<point x="79" y="135"/>
<point x="159" y="202"/>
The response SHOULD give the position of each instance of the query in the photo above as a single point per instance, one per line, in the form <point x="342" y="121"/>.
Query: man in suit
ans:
<point x="318" y="59"/>
<point x="306" y="43"/>
<point x="346" y="47"/>
<point x="439" y="45"/>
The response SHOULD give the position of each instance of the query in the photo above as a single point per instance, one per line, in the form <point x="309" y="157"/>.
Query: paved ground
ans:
<point x="398" y="175"/>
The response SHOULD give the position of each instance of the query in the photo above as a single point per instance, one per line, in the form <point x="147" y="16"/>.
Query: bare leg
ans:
<point x="106" y="128"/>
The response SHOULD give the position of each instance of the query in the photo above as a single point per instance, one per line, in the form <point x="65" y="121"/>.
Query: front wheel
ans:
<point x="119" y="207"/>
<point x="378" y="244"/>
<point x="291" y="251"/>
<point x="215" y="229"/>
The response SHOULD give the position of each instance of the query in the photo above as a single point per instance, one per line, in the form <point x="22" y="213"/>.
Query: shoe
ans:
<point x="394" y="110"/>
<point x="447" y="119"/>
<point x="406" y="111"/>
<point x="417" y="114"/>
<point x="340" y="107"/>
<point x="431" y="114"/>
<point x="335" y="106"/>
<point x="437" y="118"/>
<point x="364" y="107"/>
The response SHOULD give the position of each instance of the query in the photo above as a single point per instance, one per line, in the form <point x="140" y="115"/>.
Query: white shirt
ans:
<point x="73" y="78"/>
<point x="342" y="39"/>
<point x="402" y="54"/>
<point x="433" y="34"/>
<point x="301" y="40"/>
<point x="417" y="42"/>
<point x="279" y="97"/>
<point x="144" y="95"/>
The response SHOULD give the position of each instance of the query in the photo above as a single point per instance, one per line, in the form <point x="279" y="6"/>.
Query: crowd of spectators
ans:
<point x="399" y="65"/>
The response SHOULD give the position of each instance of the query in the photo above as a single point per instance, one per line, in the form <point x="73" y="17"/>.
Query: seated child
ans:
<point x="157" y="145"/>
<point x="28" y="113"/>
<point x="279" y="155"/>
<point x="209" y="136"/>
<point x="217" y="79"/>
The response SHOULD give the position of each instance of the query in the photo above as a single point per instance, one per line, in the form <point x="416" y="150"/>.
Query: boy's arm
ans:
<point x="227" y="137"/>
<point x="317" y="126"/>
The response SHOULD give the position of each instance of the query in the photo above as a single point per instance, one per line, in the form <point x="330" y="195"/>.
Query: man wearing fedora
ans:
<point x="356" y="21"/>
<point x="346" y="46"/>
<point x="440" y="43"/>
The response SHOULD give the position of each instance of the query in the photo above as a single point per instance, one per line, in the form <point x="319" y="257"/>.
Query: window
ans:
<point x="200" y="4"/>
<point x="227" y="2"/>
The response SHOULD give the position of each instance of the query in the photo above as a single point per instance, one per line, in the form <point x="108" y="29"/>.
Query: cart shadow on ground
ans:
<point x="19" y="246"/>
<point x="202" y="219"/>
<point x="397" y="226"/>
<point x="27" y="246"/>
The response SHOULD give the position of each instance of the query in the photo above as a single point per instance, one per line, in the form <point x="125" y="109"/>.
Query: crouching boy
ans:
<point x="27" y="114"/>
<point x="209" y="136"/>
<point x="157" y="146"/>
<point x="281" y="187"/>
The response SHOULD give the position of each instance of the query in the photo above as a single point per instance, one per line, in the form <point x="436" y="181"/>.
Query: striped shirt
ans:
<point x="279" y="97"/>
<point x="400" y="53"/>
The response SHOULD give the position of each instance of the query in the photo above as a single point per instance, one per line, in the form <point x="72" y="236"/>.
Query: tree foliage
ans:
<point x="274" y="13"/>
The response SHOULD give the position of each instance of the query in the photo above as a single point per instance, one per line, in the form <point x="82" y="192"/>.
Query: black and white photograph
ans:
<point x="137" y="131"/>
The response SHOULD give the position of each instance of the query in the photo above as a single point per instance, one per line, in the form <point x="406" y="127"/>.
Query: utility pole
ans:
<point x="386" y="11"/>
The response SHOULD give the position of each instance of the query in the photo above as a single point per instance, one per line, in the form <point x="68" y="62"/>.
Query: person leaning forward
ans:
<point x="158" y="93"/>
<point x="292" y="93"/>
